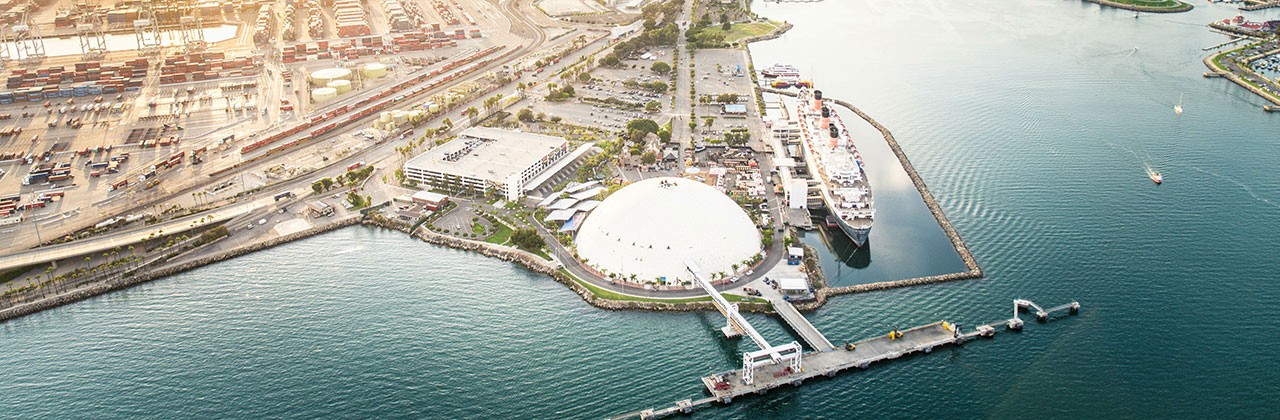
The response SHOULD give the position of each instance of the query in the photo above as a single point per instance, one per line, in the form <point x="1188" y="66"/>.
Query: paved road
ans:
<point x="126" y="237"/>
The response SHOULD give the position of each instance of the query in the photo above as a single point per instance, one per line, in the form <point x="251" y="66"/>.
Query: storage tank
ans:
<point x="321" y="78"/>
<point x="323" y="94"/>
<point x="374" y="70"/>
<point x="342" y="86"/>
<point x="399" y="117"/>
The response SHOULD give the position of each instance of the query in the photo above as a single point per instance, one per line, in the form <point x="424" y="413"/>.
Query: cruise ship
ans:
<point x="836" y="165"/>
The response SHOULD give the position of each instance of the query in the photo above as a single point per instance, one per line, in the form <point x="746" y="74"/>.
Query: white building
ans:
<point x="488" y="159"/>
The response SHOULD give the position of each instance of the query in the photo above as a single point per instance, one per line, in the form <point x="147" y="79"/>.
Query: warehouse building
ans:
<point x="483" y="159"/>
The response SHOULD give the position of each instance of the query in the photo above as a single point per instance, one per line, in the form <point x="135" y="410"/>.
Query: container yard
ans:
<point x="122" y="108"/>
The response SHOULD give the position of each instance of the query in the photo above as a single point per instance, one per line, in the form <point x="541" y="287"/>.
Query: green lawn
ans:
<point x="741" y="31"/>
<point x="501" y="236"/>
<point x="605" y="294"/>
<point x="477" y="228"/>
<point x="1150" y="3"/>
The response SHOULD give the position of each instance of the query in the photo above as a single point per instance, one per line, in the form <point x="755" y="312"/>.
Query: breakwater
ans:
<point x="1184" y="7"/>
<point x="974" y="270"/>
<point x="1221" y="72"/>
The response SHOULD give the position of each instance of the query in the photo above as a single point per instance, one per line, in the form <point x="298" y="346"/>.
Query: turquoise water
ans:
<point x="1030" y="121"/>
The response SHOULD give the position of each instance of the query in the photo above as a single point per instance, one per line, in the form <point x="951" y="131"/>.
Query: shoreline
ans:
<point x="1186" y="7"/>
<point x="1224" y="73"/>
<point x="536" y="264"/>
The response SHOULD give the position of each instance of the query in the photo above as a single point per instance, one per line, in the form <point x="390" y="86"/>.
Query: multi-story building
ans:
<point x="483" y="159"/>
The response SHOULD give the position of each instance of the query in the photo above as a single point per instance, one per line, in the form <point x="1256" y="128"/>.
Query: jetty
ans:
<point x="1259" y="5"/>
<point x="759" y="377"/>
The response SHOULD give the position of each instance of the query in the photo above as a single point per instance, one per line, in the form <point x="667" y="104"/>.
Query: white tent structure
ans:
<point x="650" y="228"/>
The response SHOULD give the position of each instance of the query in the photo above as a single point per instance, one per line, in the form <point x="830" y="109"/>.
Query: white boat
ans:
<point x="1177" y="109"/>
<point x="835" y="163"/>
<point x="781" y="70"/>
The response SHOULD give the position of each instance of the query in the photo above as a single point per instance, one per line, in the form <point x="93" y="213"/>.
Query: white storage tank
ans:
<point x="323" y="94"/>
<point x="384" y="117"/>
<point x="342" y="86"/>
<point x="321" y="78"/>
<point x="374" y="70"/>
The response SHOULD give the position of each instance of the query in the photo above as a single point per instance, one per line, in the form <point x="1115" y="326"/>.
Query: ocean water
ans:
<point x="1032" y="122"/>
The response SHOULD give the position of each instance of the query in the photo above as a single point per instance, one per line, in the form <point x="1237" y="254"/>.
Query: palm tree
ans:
<point x="471" y="113"/>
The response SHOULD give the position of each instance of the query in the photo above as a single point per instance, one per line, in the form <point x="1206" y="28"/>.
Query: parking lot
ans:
<point x="718" y="72"/>
<point x="613" y="97"/>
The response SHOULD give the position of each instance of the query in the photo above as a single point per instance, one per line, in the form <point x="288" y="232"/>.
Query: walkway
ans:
<point x="797" y="322"/>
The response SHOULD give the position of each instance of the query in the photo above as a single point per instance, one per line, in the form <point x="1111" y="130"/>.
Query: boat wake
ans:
<point x="1246" y="188"/>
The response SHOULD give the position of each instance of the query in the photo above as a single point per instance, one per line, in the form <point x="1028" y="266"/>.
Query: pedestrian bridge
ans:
<point x="787" y="354"/>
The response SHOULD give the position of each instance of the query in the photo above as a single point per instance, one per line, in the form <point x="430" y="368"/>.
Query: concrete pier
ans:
<point x="724" y="387"/>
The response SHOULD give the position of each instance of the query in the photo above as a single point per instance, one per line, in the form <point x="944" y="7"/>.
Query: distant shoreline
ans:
<point x="1185" y="7"/>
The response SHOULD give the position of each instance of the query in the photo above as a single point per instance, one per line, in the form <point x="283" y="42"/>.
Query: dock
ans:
<point x="724" y="387"/>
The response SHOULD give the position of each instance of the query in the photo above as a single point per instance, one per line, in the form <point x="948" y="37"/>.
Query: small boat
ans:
<point x="1177" y="109"/>
<point x="1156" y="177"/>
<point x="780" y="70"/>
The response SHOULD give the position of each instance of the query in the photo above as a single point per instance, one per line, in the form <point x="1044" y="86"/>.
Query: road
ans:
<point x="127" y="237"/>
<point x="682" y="105"/>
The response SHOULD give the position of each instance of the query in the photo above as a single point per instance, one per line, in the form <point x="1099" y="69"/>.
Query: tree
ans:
<point x="525" y="115"/>
<point x="661" y="67"/>
<point x="610" y="60"/>
<point x="471" y="112"/>
<point x="643" y="125"/>
<point x="652" y="106"/>
<point x="649" y="158"/>
<point x="355" y="199"/>
<point x="527" y="239"/>
<point x="584" y="77"/>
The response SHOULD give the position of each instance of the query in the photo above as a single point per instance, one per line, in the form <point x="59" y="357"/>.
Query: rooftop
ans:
<point x="649" y="228"/>
<point x="487" y="153"/>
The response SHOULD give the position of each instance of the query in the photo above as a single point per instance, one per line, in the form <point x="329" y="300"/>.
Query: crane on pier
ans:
<point x="146" y="29"/>
<point x="93" y="42"/>
<point x="190" y="26"/>
<point x="789" y="353"/>
<point x="22" y="41"/>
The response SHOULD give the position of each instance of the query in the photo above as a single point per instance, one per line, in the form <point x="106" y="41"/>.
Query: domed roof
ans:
<point x="651" y="227"/>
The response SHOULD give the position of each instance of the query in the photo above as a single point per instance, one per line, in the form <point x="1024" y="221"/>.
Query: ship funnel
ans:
<point x="826" y="112"/>
<point x="817" y="94"/>
<point x="835" y="132"/>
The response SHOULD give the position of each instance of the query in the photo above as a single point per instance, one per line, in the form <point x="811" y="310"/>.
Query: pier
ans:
<point x="1233" y="41"/>
<point x="724" y="387"/>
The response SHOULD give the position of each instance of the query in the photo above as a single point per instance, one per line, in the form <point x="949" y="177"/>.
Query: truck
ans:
<point x="284" y="195"/>
<point x="355" y="166"/>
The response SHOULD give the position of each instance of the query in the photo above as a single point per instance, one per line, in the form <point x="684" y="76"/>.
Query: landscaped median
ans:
<point x="606" y="294"/>
<point x="1151" y="6"/>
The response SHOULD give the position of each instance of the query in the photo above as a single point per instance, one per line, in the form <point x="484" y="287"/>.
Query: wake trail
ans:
<point x="1246" y="188"/>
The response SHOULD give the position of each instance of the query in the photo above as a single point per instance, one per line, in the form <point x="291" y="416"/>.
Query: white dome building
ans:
<point x="650" y="228"/>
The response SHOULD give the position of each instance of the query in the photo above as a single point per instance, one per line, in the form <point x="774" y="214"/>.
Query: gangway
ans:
<point x="1042" y="315"/>
<point x="768" y="354"/>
